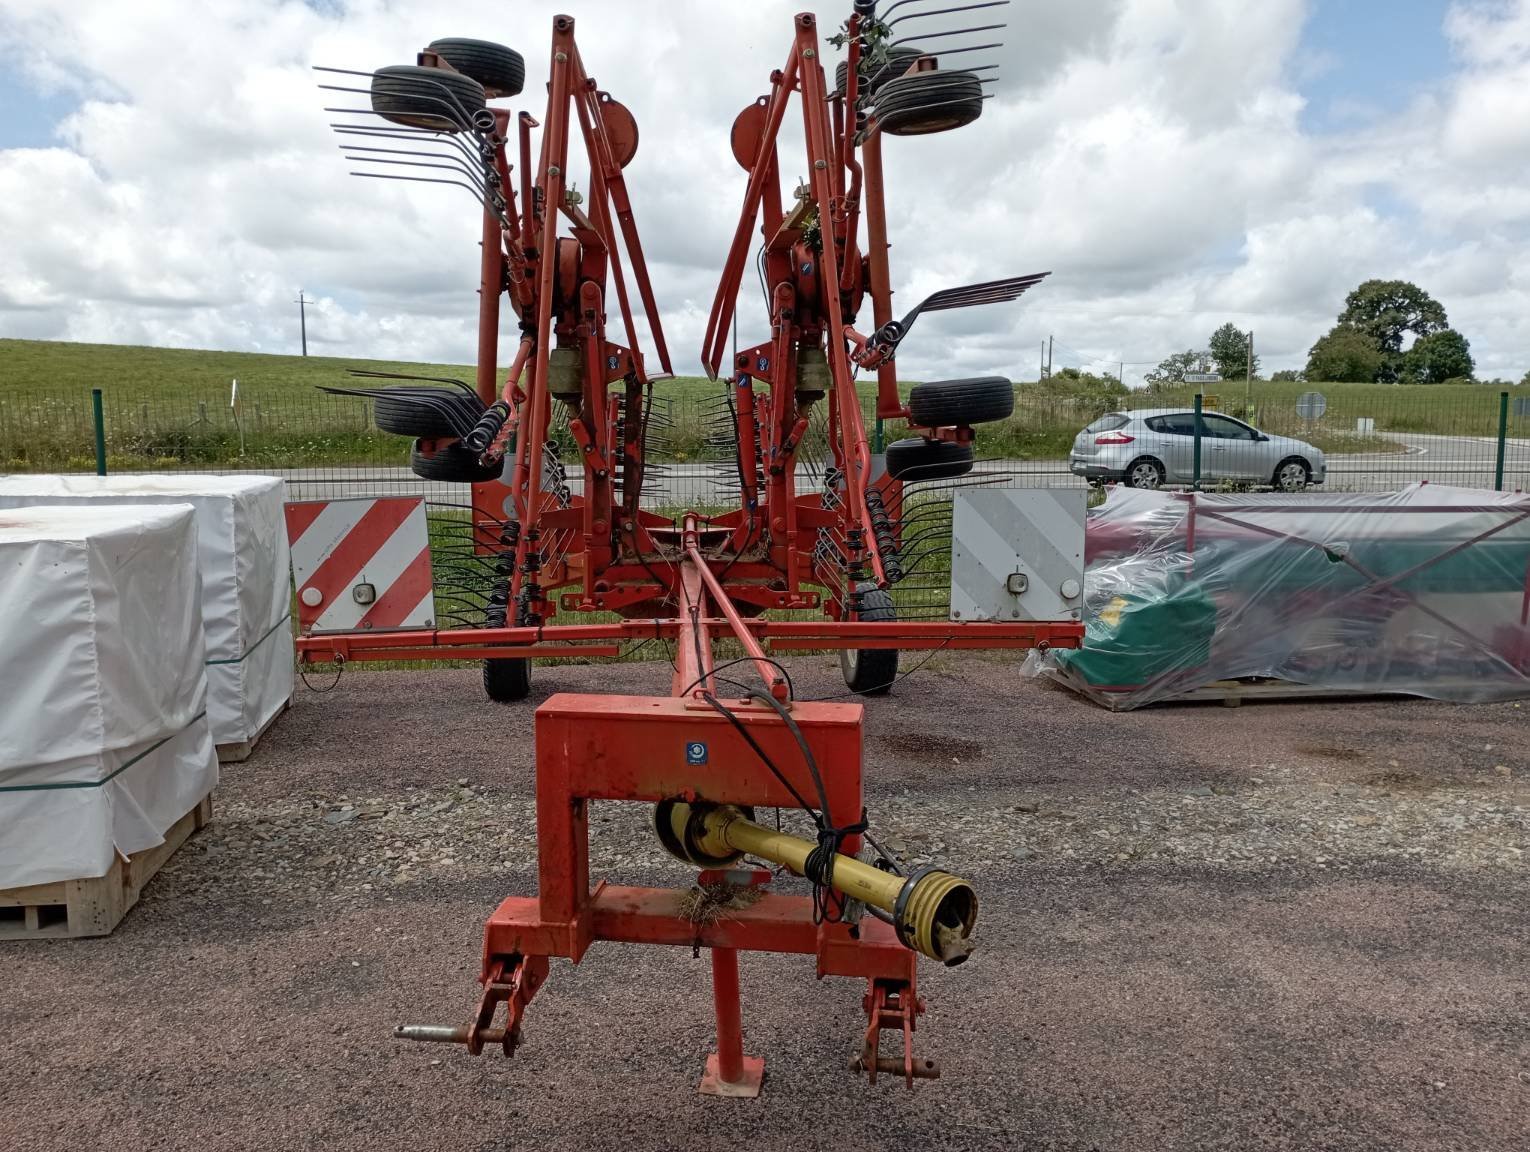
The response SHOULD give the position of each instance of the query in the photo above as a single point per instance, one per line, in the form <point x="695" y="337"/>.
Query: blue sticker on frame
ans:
<point x="695" y="752"/>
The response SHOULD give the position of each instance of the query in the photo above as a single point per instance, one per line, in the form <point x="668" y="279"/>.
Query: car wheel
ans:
<point x="1291" y="475"/>
<point x="1144" y="472"/>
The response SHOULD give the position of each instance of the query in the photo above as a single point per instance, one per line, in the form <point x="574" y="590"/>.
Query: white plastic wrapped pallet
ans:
<point x="242" y="542"/>
<point x="104" y="740"/>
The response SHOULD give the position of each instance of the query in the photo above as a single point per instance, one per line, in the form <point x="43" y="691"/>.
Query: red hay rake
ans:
<point x="716" y="749"/>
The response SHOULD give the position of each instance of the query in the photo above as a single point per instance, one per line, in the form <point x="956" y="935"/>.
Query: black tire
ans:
<point x="918" y="459"/>
<point x="1286" y="479"/>
<point x="427" y="413"/>
<point x="975" y="400"/>
<point x="899" y="60"/>
<point x="430" y="98"/>
<point x="452" y="463"/>
<point x="926" y="102"/>
<point x="507" y="680"/>
<point x="871" y="671"/>
<point x="494" y="66"/>
<point x="1144" y="472"/>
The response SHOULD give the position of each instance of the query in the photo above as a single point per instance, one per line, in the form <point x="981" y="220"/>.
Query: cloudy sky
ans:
<point x="167" y="177"/>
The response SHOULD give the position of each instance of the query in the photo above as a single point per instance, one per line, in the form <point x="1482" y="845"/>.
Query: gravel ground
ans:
<point x="1289" y="926"/>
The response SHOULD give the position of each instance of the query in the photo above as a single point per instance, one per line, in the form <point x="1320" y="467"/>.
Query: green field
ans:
<point x="170" y="407"/>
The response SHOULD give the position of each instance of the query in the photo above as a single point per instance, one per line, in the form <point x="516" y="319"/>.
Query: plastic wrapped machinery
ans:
<point x="242" y="542"/>
<point x="1424" y="591"/>
<point x="104" y="740"/>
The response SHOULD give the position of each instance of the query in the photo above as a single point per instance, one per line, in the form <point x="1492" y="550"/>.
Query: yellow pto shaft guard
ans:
<point x="933" y="912"/>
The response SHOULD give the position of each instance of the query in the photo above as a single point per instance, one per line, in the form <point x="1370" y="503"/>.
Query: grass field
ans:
<point x="171" y="407"/>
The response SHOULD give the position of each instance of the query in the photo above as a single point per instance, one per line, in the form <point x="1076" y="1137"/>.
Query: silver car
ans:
<point x="1151" y="447"/>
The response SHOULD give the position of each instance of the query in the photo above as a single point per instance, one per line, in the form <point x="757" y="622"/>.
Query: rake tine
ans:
<point x="945" y="11"/>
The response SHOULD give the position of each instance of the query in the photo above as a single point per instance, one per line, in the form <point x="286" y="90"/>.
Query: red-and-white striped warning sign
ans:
<point x="361" y="565"/>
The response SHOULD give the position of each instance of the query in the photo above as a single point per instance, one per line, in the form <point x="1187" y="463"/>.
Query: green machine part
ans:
<point x="1136" y="637"/>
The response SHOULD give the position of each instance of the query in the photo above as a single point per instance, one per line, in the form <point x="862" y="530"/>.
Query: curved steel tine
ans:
<point x="422" y="135"/>
<point x="423" y="180"/>
<point x="951" y="32"/>
<point x="449" y="167"/>
<point x="955" y="51"/>
<point x="945" y="11"/>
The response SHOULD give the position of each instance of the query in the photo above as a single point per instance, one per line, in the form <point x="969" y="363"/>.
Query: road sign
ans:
<point x="1311" y="405"/>
<point x="1203" y="377"/>
<point x="361" y="563"/>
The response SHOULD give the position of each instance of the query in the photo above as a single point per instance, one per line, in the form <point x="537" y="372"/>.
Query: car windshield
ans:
<point x="1108" y="423"/>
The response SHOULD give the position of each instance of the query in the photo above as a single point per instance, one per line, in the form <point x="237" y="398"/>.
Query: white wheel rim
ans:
<point x="1292" y="476"/>
<point x="1145" y="476"/>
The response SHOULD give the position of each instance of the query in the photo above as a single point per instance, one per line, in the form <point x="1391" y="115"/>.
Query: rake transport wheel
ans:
<point x="507" y="679"/>
<point x="430" y="413"/>
<point x="429" y="98"/>
<point x="975" y="400"/>
<point x="452" y="463"/>
<point x="918" y="459"/>
<point x="871" y="671"/>
<point x="500" y="70"/>
<point x="926" y="102"/>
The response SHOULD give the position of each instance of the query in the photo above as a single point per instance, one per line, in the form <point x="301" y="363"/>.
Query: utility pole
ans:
<point x="302" y="303"/>
<point x="1049" y="357"/>
<point x="1121" y="374"/>
<point x="1248" y="380"/>
<point x="1041" y="372"/>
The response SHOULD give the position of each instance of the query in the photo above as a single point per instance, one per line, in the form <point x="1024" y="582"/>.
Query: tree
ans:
<point x="1173" y="369"/>
<point x="1525" y="383"/>
<point x="1386" y="311"/>
<point x="1289" y="376"/>
<point x="1438" y="357"/>
<point x="1346" y="354"/>
<point x="1229" y="352"/>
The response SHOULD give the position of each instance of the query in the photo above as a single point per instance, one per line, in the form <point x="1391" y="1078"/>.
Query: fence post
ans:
<point x="1198" y="426"/>
<point x="1503" y="439"/>
<point x="877" y="440"/>
<point x="99" y="417"/>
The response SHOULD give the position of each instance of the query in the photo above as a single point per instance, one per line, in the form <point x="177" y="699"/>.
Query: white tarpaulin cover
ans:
<point x="242" y="541"/>
<point x="104" y="741"/>
<point x="1423" y="591"/>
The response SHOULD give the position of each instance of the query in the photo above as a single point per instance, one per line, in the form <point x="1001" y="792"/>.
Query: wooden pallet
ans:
<point x="235" y="753"/>
<point x="96" y="905"/>
<point x="1232" y="693"/>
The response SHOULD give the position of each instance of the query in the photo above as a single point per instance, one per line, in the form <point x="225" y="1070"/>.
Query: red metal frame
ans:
<point x="685" y="580"/>
<point x="603" y="548"/>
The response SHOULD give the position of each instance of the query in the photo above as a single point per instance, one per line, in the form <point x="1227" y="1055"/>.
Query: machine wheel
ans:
<point x="975" y="400"/>
<point x="430" y="98"/>
<point x="918" y="459"/>
<point x="1144" y="472"/>
<point x="499" y="69"/>
<point x="926" y="102"/>
<point x="431" y="413"/>
<point x="899" y="60"/>
<point x="507" y="680"/>
<point x="453" y="463"/>
<point x="871" y="671"/>
<point x="1291" y="475"/>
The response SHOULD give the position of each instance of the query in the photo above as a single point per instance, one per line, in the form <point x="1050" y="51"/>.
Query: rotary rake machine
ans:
<point x="716" y="749"/>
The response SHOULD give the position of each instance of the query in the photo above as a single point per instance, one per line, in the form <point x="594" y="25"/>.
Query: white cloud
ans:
<point x="1150" y="152"/>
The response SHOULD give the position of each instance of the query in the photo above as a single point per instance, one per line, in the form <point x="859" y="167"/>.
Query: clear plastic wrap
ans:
<point x="1424" y="591"/>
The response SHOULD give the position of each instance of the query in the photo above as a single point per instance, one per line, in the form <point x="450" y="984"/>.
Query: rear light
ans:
<point x="1113" y="438"/>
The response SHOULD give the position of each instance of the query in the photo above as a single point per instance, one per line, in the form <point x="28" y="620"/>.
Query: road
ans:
<point x="1459" y="460"/>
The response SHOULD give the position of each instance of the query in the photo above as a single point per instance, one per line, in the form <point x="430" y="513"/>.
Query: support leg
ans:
<point x="729" y="1072"/>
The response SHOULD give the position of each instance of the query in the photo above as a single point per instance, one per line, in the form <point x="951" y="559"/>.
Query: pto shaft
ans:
<point x="932" y="911"/>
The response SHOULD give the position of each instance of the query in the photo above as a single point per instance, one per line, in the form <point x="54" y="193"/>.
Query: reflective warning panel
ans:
<point x="361" y="565"/>
<point x="1018" y="554"/>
